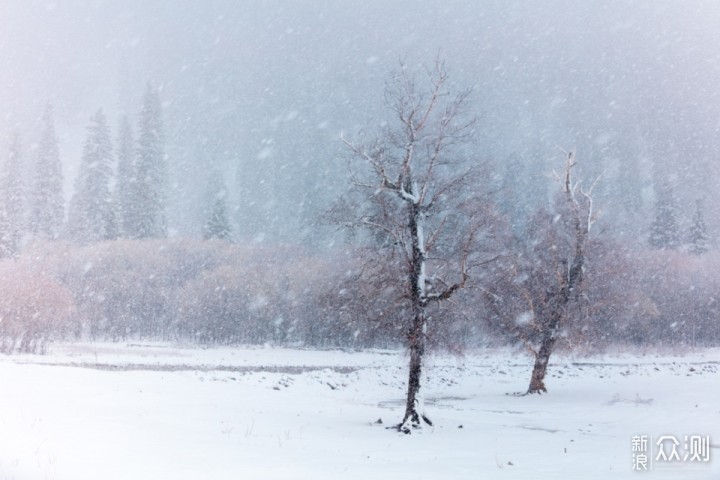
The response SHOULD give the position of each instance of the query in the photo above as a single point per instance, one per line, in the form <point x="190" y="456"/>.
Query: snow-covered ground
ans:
<point x="116" y="411"/>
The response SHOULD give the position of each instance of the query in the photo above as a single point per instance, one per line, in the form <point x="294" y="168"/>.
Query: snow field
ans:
<point x="177" y="413"/>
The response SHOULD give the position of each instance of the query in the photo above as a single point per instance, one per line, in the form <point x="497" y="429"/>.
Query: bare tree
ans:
<point x="560" y="273"/>
<point x="418" y="195"/>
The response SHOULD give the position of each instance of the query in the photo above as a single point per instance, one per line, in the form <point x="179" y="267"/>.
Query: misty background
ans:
<point x="262" y="90"/>
<point x="237" y="111"/>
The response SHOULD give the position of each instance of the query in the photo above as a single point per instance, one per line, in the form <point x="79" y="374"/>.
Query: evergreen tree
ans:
<point x="218" y="222"/>
<point x="698" y="232"/>
<point x="624" y="191"/>
<point x="12" y="206"/>
<point x="519" y="190"/>
<point x="126" y="185"/>
<point x="47" y="203"/>
<point x="151" y="171"/>
<point x="629" y="185"/>
<point x="5" y="242"/>
<point x="664" y="231"/>
<point x="92" y="215"/>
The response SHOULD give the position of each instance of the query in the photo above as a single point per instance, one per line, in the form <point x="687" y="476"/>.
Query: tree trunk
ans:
<point x="559" y="302"/>
<point x="417" y="333"/>
<point x="537" y="379"/>
<point x="413" y="408"/>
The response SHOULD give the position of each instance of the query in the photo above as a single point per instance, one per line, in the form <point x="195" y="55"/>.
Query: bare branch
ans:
<point x="448" y="292"/>
<point x="589" y="199"/>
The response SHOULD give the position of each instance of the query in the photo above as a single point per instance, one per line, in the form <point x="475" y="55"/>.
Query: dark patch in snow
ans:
<point x="287" y="369"/>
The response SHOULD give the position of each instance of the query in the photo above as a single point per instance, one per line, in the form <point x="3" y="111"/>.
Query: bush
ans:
<point x="33" y="307"/>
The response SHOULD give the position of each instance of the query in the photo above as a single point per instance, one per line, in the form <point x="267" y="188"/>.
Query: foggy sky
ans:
<point x="265" y="87"/>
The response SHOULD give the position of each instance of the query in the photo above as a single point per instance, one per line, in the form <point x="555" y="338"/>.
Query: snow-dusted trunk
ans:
<point x="417" y="350"/>
<point x="417" y="333"/>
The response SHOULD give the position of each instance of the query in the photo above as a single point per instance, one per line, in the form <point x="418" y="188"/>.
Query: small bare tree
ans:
<point x="561" y="268"/>
<point x="418" y="196"/>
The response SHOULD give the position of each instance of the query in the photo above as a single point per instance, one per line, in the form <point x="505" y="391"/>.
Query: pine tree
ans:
<point x="664" y="233"/>
<point x="126" y="185"/>
<point x="218" y="222"/>
<point x="698" y="232"/>
<point x="629" y="186"/>
<point x="520" y="189"/>
<point x="12" y="206"/>
<point x="92" y="214"/>
<point x="151" y="171"/>
<point x="624" y="191"/>
<point x="47" y="203"/>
